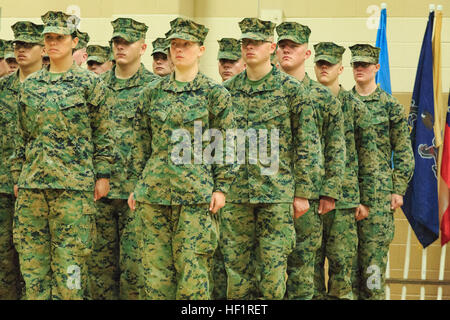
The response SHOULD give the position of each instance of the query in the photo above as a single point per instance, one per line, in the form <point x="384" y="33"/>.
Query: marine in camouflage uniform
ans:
<point x="162" y="66"/>
<point x="259" y="210"/>
<point x="10" y="58"/>
<point x="172" y="195"/>
<point x="340" y="239"/>
<point x="230" y="58"/>
<point x="25" y="33"/>
<point x="229" y="55"/>
<point x="79" y="53"/>
<point x="3" y="65"/>
<point x="99" y="59"/>
<point x="327" y="182"/>
<point x="63" y="145"/>
<point x="392" y="136"/>
<point x="115" y="261"/>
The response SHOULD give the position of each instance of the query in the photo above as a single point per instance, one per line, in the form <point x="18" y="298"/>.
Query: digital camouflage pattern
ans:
<point x="60" y="23"/>
<point x="116" y="249"/>
<point x="163" y="108"/>
<point x="300" y="266"/>
<point x="103" y="263"/>
<point x="229" y="49"/>
<point x="65" y="138"/>
<point x="327" y="181"/>
<point x="123" y="101"/>
<point x="178" y="244"/>
<point x="83" y="40"/>
<point x="339" y="242"/>
<point x="54" y="233"/>
<point x="297" y="158"/>
<point x="129" y="29"/>
<point x="330" y="124"/>
<point x="26" y="31"/>
<point x="328" y="51"/>
<point x="269" y="225"/>
<point x="293" y="31"/>
<point x="10" y="278"/>
<point x="9" y="50"/>
<point x="339" y="245"/>
<point x="187" y="30"/>
<point x="2" y="48"/>
<point x="298" y="140"/>
<point x="99" y="54"/>
<point x="256" y="29"/>
<point x="361" y="168"/>
<point x="162" y="203"/>
<point x="161" y="45"/>
<point x="364" y="53"/>
<point x="376" y="232"/>
<point x="9" y="91"/>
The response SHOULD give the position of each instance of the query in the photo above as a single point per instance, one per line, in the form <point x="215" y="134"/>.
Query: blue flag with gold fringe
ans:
<point x="421" y="199"/>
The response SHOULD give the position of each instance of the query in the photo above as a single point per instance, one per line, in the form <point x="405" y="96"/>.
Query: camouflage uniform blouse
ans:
<point x="123" y="99"/>
<point x="392" y="135"/>
<point x="64" y="139"/>
<point x="169" y="117"/>
<point x="277" y="103"/>
<point x="9" y="92"/>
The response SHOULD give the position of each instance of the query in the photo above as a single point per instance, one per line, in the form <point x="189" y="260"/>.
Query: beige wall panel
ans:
<point x="337" y="29"/>
<point x="27" y="8"/>
<point x="349" y="8"/>
<point x="229" y="8"/>
<point x="98" y="8"/>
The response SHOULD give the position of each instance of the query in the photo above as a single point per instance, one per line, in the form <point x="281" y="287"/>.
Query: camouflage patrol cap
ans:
<point x="328" y="51"/>
<point x="186" y="29"/>
<point x="229" y="49"/>
<point x="2" y="48"/>
<point x="364" y="53"/>
<point x="161" y="45"/>
<point x="293" y="31"/>
<point x="256" y="29"/>
<point x="98" y="53"/>
<point x="26" y="31"/>
<point x="129" y="29"/>
<point x="83" y="40"/>
<point x="60" y="23"/>
<point x="9" y="50"/>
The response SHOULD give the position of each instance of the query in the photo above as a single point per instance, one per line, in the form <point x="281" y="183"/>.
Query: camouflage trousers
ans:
<point x="375" y="234"/>
<point x="219" y="275"/>
<point x="177" y="246"/>
<point x="115" y="262"/>
<point x="339" y="246"/>
<point x="308" y="228"/>
<point x="10" y="278"/>
<point x="54" y="233"/>
<point x="103" y="263"/>
<point x="270" y="229"/>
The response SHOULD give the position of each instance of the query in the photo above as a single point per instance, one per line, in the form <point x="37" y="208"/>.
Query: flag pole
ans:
<point x="423" y="273"/>
<point x="407" y="258"/>
<point x="388" y="276"/>
<point x="441" y="270"/>
<point x="444" y="247"/>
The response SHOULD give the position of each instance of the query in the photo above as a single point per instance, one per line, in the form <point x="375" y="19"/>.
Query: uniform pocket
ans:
<point x="195" y="114"/>
<point x="208" y="241"/>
